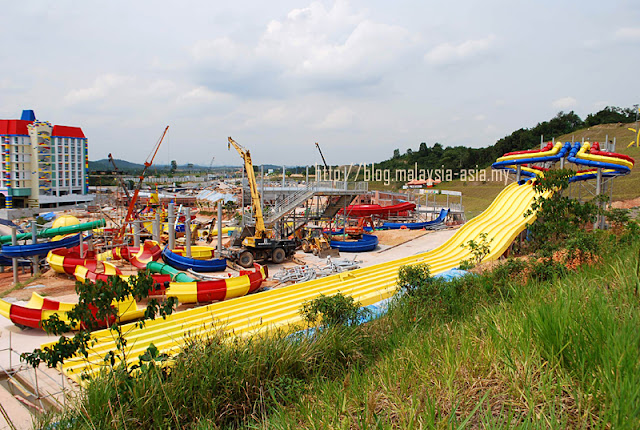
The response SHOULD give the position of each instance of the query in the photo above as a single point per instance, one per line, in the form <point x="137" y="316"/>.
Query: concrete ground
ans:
<point x="393" y="245"/>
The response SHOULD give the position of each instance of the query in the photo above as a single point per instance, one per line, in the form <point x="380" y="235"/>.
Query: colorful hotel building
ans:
<point x="42" y="165"/>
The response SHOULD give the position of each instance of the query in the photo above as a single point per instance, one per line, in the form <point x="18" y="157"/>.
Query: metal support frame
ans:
<point x="172" y="231"/>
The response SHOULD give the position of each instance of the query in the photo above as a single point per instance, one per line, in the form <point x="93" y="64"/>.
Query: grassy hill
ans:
<point x="477" y="196"/>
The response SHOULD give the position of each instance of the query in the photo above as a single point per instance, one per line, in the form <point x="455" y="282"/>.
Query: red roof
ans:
<point x="19" y="127"/>
<point x="64" y="131"/>
<point x="14" y="126"/>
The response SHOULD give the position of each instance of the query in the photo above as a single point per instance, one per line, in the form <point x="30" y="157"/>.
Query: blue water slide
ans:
<point x="184" y="263"/>
<point x="619" y="169"/>
<point x="18" y="251"/>
<point x="417" y="225"/>
<point x="367" y="243"/>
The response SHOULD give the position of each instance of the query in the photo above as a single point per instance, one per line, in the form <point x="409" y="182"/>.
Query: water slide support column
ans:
<point x="187" y="230"/>
<point x="172" y="231"/>
<point x="34" y="240"/>
<point x="156" y="228"/>
<point x="219" y="229"/>
<point x="14" y="261"/>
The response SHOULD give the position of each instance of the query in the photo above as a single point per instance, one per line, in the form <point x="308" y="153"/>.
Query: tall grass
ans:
<point x="524" y="346"/>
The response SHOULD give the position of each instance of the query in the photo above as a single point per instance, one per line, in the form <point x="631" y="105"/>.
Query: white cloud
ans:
<point x="314" y="47"/>
<point x="628" y="34"/>
<point x="480" y="117"/>
<point x="202" y="94"/>
<point x="275" y="116"/>
<point x="447" y="53"/>
<point x="101" y="87"/>
<point x="338" y="118"/>
<point x="564" y="103"/>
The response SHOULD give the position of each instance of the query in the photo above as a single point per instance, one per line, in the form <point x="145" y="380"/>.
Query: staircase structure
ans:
<point x="280" y="215"/>
<point x="293" y="197"/>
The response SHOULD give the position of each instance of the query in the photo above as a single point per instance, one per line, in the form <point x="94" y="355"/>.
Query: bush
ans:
<point x="559" y="218"/>
<point x="479" y="249"/>
<point x="335" y="310"/>
<point x="414" y="279"/>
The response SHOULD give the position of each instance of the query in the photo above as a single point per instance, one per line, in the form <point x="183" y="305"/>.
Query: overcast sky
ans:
<point x="360" y="77"/>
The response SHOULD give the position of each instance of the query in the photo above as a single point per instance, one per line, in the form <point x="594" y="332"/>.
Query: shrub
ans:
<point x="414" y="279"/>
<point x="335" y="310"/>
<point x="479" y="249"/>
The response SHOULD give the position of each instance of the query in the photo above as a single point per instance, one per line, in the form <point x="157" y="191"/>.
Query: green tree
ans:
<point x="174" y="166"/>
<point x="396" y="153"/>
<point x="560" y="221"/>
<point x="95" y="309"/>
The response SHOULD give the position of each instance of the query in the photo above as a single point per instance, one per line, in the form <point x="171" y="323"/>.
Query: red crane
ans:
<point x="148" y="162"/>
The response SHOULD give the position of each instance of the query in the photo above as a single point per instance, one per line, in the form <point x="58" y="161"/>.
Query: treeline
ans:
<point x="462" y="157"/>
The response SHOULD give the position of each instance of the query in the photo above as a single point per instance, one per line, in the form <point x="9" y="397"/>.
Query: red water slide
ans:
<point x="384" y="211"/>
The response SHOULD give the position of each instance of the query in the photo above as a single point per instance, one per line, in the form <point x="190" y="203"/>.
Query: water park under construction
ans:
<point x="244" y="254"/>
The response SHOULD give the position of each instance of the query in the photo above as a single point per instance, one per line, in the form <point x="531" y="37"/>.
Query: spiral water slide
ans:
<point x="502" y="222"/>
<point x="580" y="153"/>
<point x="418" y="225"/>
<point x="384" y="211"/>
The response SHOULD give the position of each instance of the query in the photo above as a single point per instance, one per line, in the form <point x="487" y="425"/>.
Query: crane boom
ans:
<point x="147" y="163"/>
<point x="323" y="160"/>
<point x="253" y="186"/>
<point x="122" y="184"/>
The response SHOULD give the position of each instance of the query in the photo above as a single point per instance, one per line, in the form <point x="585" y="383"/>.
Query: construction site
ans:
<point x="242" y="253"/>
<point x="204" y="242"/>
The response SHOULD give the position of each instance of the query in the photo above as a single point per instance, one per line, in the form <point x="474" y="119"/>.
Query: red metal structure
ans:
<point x="148" y="162"/>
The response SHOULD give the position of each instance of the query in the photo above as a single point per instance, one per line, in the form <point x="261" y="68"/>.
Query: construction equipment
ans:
<point x="315" y="240"/>
<point x="354" y="227"/>
<point x="132" y="203"/>
<point x="259" y="245"/>
<point x="323" y="160"/>
<point x="122" y="184"/>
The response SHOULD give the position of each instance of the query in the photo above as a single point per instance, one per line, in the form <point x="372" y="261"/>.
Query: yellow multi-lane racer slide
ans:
<point x="502" y="221"/>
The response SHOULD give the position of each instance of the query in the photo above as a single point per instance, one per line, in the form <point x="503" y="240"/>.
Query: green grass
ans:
<point x="492" y="351"/>
<point x="561" y="354"/>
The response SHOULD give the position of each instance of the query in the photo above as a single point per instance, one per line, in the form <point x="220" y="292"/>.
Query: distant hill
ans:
<point x="131" y="168"/>
<point x="128" y="167"/>
<point x="123" y="166"/>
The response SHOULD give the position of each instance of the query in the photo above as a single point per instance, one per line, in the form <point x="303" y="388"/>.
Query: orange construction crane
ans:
<point x="132" y="204"/>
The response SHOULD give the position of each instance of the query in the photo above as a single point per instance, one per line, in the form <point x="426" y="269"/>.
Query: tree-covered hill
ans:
<point x="462" y="157"/>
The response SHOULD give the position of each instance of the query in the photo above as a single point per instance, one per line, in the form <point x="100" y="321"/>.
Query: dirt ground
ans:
<point x="54" y="284"/>
<point x="396" y="237"/>
<point x="393" y="245"/>
<point x="626" y="204"/>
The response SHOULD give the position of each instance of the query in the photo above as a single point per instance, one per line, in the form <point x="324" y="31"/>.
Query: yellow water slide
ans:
<point x="502" y="221"/>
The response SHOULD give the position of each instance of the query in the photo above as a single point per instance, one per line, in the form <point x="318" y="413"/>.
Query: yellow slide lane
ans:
<point x="503" y="220"/>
